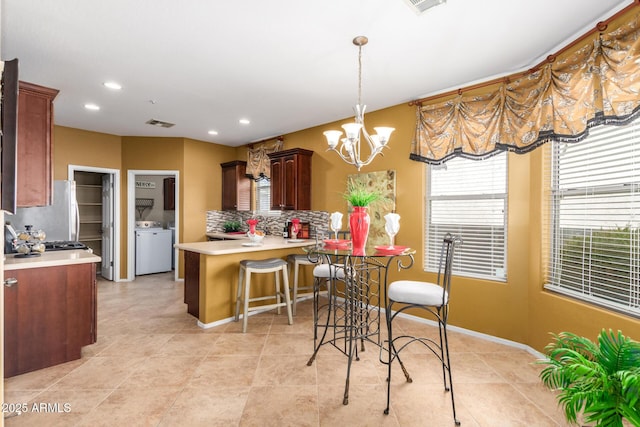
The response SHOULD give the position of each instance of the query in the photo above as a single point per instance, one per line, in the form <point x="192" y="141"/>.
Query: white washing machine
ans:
<point x="153" y="248"/>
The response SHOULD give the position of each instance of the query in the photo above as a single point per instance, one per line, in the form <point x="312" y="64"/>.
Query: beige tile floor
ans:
<point x="153" y="366"/>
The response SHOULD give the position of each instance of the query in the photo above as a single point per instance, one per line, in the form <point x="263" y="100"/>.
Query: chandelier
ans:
<point x="349" y="149"/>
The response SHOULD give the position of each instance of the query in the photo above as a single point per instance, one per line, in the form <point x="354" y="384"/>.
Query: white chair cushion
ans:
<point x="324" y="271"/>
<point x="414" y="292"/>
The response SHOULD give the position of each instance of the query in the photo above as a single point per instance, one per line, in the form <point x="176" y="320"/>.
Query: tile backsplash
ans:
<point x="318" y="220"/>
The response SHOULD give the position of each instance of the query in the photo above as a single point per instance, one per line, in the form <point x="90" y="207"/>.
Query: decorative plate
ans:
<point x="391" y="250"/>
<point x="337" y="243"/>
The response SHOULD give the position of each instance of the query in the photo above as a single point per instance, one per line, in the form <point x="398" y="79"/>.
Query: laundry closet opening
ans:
<point x="152" y="218"/>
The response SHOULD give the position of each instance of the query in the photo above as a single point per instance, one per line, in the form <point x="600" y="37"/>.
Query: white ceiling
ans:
<point x="284" y="64"/>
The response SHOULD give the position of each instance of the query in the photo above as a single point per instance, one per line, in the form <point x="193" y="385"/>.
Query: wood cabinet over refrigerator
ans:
<point x="236" y="187"/>
<point x="34" y="153"/>
<point x="291" y="179"/>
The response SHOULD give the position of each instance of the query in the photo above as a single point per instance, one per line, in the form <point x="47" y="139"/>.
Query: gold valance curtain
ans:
<point x="597" y="81"/>
<point x="258" y="164"/>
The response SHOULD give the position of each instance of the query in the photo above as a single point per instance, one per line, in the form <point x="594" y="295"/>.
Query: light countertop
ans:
<point x="50" y="259"/>
<point x="225" y="247"/>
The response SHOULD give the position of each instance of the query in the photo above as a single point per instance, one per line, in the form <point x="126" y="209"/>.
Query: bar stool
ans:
<point x="271" y="265"/>
<point x="295" y="261"/>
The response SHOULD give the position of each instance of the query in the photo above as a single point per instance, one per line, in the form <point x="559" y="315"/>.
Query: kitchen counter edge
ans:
<point x="227" y="236"/>
<point x="50" y="259"/>
<point x="226" y="247"/>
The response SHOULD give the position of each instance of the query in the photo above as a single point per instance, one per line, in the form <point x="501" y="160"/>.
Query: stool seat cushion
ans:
<point x="263" y="263"/>
<point x="416" y="292"/>
<point x="325" y="271"/>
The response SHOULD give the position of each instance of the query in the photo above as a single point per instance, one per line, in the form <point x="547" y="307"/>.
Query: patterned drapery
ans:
<point x="596" y="82"/>
<point x="258" y="164"/>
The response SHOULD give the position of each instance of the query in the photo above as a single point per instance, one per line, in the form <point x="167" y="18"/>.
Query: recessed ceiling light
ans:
<point x="244" y="121"/>
<point x="92" y="107"/>
<point x="213" y="132"/>
<point x="112" y="85"/>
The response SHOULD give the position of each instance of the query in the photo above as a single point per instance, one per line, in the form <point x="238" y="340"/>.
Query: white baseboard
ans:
<point x="417" y="319"/>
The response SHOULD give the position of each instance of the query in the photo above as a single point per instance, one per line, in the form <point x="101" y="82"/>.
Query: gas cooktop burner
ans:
<point x="62" y="245"/>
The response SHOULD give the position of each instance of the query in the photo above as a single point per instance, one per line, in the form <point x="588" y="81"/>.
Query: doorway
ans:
<point x="152" y="196"/>
<point x="98" y="195"/>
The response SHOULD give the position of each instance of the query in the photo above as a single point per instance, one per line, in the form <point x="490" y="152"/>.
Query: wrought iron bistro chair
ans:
<point x="433" y="298"/>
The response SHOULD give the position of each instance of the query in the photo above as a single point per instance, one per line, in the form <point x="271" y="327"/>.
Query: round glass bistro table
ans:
<point x="356" y="290"/>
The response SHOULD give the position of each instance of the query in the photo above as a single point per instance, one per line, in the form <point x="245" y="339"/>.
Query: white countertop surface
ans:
<point x="50" y="259"/>
<point x="225" y="247"/>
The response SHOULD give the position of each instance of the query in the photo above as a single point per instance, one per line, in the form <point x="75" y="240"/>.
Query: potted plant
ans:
<point x="601" y="380"/>
<point x="360" y="197"/>
<point x="231" y="226"/>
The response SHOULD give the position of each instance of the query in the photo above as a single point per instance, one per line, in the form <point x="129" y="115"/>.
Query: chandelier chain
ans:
<point x="360" y="75"/>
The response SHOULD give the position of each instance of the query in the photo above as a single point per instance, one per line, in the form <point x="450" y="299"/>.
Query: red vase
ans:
<point x="359" y="227"/>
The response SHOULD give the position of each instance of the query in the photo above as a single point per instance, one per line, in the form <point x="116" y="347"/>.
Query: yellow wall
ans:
<point x="80" y="147"/>
<point x="518" y="309"/>
<point x="197" y="162"/>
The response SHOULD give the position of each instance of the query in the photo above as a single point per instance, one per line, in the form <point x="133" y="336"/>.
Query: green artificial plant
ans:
<point x="231" y="226"/>
<point x="359" y="195"/>
<point x="600" y="379"/>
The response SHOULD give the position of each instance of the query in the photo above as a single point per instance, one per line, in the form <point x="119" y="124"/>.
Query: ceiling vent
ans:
<point x="421" y="6"/>
<point x="159" y="123"/>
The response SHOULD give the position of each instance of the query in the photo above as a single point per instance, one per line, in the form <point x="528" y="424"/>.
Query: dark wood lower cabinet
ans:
<point x="49" y="315"/>
<point x="192" y="283"/>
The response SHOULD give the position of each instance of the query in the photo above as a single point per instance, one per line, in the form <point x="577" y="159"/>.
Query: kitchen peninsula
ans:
<point x="211" y="273"/>
<point x="50" y="309"/>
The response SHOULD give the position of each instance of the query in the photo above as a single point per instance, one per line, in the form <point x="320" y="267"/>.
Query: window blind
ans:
<point x="469" y="198"/>
<point x="594" y="218"/>
<point x="263" y="195"/>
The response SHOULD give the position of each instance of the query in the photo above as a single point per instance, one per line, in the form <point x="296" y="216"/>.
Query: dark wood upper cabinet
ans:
<point x="236" y="187"/>
<point x="8" y="136"/>
<point x="291" y="179"/>
<point x="34" y="153"/>
<point x="169" y="193"/>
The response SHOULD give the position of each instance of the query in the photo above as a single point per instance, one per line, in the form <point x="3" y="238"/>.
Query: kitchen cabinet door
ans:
<point x="50" y="314"/>
<point x="236" y="187"/>
<point x="291" y="179"/>
<point x="34" y="153"/>
<point x="169" y="193"/>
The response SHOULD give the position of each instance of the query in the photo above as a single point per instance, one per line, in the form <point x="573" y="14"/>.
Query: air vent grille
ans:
<point x="159" y="123"/>
<point x="421" y="6"/>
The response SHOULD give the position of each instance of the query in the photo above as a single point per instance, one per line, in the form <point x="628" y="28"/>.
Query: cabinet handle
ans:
<point x="10" y="282"/>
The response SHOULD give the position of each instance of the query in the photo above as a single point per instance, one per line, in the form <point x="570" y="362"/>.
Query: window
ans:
<point x="469" y="198"/>
<point x="594" y="218"/>
<point x="263" y="195"/>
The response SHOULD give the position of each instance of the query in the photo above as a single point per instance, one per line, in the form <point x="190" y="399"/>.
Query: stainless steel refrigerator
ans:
<point x="59" y="221"/>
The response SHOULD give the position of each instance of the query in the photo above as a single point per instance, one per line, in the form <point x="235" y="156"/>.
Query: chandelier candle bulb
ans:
<point x="352" y="130"/>
<point x="384" y="133"/>
<point x="333" y="137"/>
